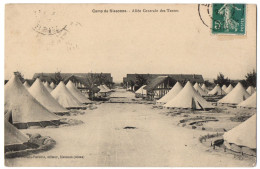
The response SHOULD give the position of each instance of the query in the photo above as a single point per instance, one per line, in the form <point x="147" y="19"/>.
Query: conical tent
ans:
<point x="141" y="90"/>
<point x="203" y="87"/>
<point x="25" y="109"/>
<point x="250" y="90"/>
<point x="217" y="91"/>
<point x="229" y="89"/>
<point x="14" y="139"/>
<point x="62" y="94"/>
<point x="243" y="135"/>
<point x="102" y="89"/>
<point x="52" y="85"/>
<point x="40" y="93"/>
<point x="224" y="87"/>
<point x="76" y="93"/>
<point x="236" y="96"/>
<point x="171" y="94"/>
<point x="199" y="89"/>
<point x="47" y="86"/>
<point x="26" y="85"/>
<point x="105" y="86"/>
<point x="249" y="102"/>
<point x="188" y="98"/>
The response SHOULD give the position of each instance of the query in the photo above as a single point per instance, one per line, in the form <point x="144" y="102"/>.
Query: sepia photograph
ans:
<point x="130" y="85"/>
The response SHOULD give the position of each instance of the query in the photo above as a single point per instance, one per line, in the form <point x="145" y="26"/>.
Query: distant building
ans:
<point x="79" y="79"/>
<point x="159" y="86"/>
<point x="130" y="79"/>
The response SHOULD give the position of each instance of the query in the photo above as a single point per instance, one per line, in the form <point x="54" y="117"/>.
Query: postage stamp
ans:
<point x="229" y="19"/>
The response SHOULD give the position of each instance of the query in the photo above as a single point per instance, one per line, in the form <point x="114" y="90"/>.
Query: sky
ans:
<point x="73" y="38"/>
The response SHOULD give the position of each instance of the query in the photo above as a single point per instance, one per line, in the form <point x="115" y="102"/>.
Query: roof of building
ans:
<point x="178" y="77"/>
<point x="50" y="77"/>
<point x="155" y="82"/>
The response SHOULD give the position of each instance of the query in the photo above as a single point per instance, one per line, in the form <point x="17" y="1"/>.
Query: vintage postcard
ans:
<point x="130" y="85"/>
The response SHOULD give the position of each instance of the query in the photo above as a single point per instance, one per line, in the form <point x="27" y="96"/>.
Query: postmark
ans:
<point x="51" y="29"/>
<point x="205" y="14"/>
<point x="229" y="19"/>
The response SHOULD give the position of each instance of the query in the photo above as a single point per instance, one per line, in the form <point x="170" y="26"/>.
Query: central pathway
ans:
<point x="103" y="141"/>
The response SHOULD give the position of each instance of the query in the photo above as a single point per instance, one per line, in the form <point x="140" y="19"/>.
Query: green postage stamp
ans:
<point x="229" y="19"/>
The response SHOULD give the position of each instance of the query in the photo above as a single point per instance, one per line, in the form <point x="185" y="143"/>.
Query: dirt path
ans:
<point x="103" y="141"/>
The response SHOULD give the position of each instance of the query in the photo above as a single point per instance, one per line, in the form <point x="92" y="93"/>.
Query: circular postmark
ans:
<point x="205" y="14"/>
<point x="47" y="24"/>
<point x="52" y="29"/>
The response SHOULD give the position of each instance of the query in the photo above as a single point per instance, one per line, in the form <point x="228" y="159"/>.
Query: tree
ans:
<point x="208" y="83"/>
<point x="251" y="78"/>
<point x="140" y="81"/>
<point x="243" y="82"/>
<point x="101" y="79"/>
<point x="91" y="82"/>
<point x="20" y="76"/>
<point x="132" y="84"/>
<point x="221" y="80"/>
<point x="58" y="77"/>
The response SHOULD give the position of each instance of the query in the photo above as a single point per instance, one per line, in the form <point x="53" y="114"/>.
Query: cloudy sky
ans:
<point x="71" y="38"/>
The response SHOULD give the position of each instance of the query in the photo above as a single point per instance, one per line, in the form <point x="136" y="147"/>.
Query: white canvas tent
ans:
<point x="102" y="89"/>
<point x="141" y="92"/>
<point x="171" y="94"/>
<point x="62" y="94"/>
<point x="47" y="86"/>
<point x="199" y="89"/>
<point x="188" y="98"/>
<point x="249" y="102"/>
<point x="14" y="139"/>
<point x="25" y="110"/>
<point x="229" y="89"/>
<point x="40" y="93"/>
<point x="26" y="85"/>
<point x="52" y="85"/>
<point x="224" y="87"/>
<point x="242" y="138"/>
<point x="236" y="96"/>
<point x="217" y="91"/>
<point x="203" y="87"/>
<point x="250" y="90"/>
<point x="105" y="86"/>
<point x="76" y="93"/>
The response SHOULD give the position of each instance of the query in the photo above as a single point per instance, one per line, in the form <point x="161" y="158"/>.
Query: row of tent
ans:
<point x="241" y="138"/>
<point x="40" y="105"/>
<point x="203" y="90"/>
<point x="191" y="96"/>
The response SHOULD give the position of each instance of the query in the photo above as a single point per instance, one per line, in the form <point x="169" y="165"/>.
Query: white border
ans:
<point x="2" y="10"/>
